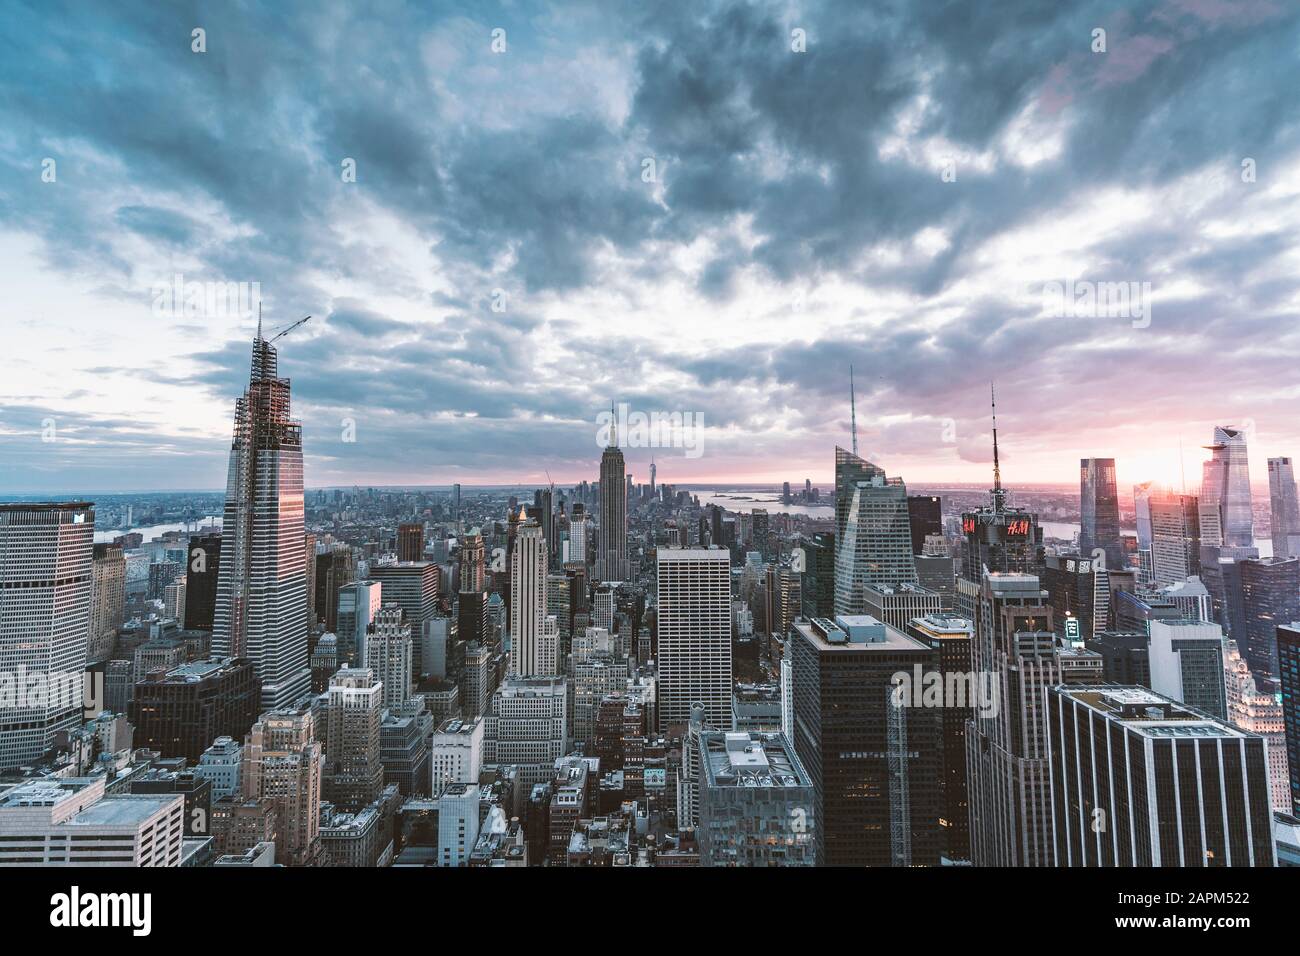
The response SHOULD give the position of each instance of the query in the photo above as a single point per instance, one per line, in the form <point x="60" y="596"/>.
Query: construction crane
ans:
<point x="288" y="330"/>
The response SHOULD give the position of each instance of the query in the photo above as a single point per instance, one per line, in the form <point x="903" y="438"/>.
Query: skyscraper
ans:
<point x="1141" y="495"/>
<point x="611" y="537"/>
<point x="353" y="774"/>
<point x="1006" y="753"/>
<point x="1288" y="652"/>
<point x="1284" y="509"/>
<point x="873" y="536"/>
<point x="577" y="542"/>
<point x="925" y="517"/>
<point x="694" y="622"/>
<point x="180" y="712"/>
<point x="1175" y="537"/>
<point x="534" y="638"/>
<point x="410" y="542"/>
<point x="334" y="569"/>
<point x="874" y="760"/>
<point x="261" y="610"/>
<point x="1260" y="713"/>
<point x="951" y="639"/>
<point x="755" y="801"/>
<point x="359" y="602"/>
<point x="46" y="556"/>
<point x="1140" y="780"/>
<point x="202" y="573"/>
<point x="1225" y="486"/>
<point x="388" y="655"/>
<point x="107" y="601"/>
<point x="526" y="725"/>
<point x="413" y="586"/>
<point x="1186" y="659"/>
<point x="1099" y="511"/>
<point x="282" y="766"/>
<point x="472" y="565"/>
<point x="997" y="538"/>
<point x="1270" y="595"/>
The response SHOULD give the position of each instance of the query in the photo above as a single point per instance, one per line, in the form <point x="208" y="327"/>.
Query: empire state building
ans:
<point x="261" y="606"/>
<point x="611" y="540"/>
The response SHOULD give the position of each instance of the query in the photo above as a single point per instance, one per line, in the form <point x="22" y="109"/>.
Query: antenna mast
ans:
<point x="999" y="496"/>
<point x="853" y="411"/>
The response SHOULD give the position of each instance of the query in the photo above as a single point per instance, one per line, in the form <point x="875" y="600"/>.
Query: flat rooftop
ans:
<point x="459" y="725"/>
<point x="857" y="633"/>
<point x="123" y="810"/>
<point x="43" y="791"/>
<point x="1149" y="713"/>
<point x="194" y="671"/>
<point x="737" y="759"/>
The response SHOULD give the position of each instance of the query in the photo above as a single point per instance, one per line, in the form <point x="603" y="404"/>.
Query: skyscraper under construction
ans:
<point x="261" y="610"/>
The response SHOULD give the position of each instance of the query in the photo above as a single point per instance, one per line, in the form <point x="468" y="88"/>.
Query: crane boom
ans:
<point x="288" y="330"/>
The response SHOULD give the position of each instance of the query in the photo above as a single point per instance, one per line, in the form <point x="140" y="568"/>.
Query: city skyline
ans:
<point x="698" y="213"/>
<point x="707" y="434"/>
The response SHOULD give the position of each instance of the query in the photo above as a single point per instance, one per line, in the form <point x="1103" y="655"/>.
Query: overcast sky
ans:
<point x="706" y="208"/>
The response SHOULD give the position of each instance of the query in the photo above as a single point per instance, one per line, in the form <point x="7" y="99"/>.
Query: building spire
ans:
<point x="853" y="412"/>
<point x="613" y="427"/>
<point x="259" y="320"/>
<point x="999" y="496"/>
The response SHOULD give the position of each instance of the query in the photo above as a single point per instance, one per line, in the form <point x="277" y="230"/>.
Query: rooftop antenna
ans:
<point x="259" y="321"/>
<point x="613" y="427"/>
<point x="853" y="411"/>
<point x="999" y="496"/>
<point x="1182" y="470"/>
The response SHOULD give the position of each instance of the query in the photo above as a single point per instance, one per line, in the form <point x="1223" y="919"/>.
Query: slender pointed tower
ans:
<point x="611" y="538"/>
<point x="261" y="605"/>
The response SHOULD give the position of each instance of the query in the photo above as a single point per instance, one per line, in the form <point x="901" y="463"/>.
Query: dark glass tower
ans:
<point x="874" y="763"/>
<point x="925" y="514"/>
<point x="1099" y="510"/>
<point x="1288" y="657"/>
<point x="1270" y="595"/>
<point x="201" y="576"/>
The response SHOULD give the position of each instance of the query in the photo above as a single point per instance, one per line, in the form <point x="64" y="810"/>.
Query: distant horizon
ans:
<point x="1257" y="490"/>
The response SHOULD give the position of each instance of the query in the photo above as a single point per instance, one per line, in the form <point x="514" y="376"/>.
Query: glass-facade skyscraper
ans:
<point x="873" y="538"/>
<point x="261" y="609"/>
<point x="1284" y="509"/>
<point x="1225" y="486"/>
<point x="1099" y="511"/>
